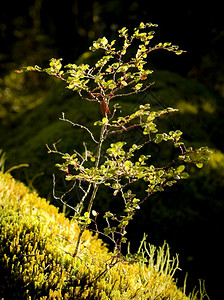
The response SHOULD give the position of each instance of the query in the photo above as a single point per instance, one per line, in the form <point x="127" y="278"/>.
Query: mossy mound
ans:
<point x="36" y="261"/>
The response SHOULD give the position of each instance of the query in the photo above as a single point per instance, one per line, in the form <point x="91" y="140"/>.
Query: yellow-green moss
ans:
<point x="35" y="246"/>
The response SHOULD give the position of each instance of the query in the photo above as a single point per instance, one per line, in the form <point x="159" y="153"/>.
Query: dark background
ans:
<point x="31" y="33"/>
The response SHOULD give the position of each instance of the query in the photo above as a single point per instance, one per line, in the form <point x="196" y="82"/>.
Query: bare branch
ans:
<point x="78" y="125"/>
<point x="61" y="198"/>
<point x="133" y="92"/>
<point x="124" y="129"/>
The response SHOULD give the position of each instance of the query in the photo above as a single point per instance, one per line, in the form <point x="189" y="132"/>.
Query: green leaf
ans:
<point x="99" y="123"/>
<point x="184" y="175"/>
<point x="124" y="240"/>
<point x="138" y="86"/>
<point x="159" y="138"/>
<point x="199" y="165"/>
<point x="69" y="177"/>
<point x="180" y="169"/>
<point x="107" y="230"/>
<point x="104" y="121"/>
<point x="108" y="214"/>
<point x="178" y="52"/>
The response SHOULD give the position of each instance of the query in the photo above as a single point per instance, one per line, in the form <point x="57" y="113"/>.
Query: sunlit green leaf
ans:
<point x="199" y="165"/>
<point x="180" y="169"/>
<point x="184" y="175"/>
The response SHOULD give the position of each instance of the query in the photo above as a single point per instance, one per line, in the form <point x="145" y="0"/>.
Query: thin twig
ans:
<point x="134" y="92"/>
<point x="124" y="129"/>
<point x="78" y="206"/>
<point x="61" y="198"/>
<point x="79" y="125"/>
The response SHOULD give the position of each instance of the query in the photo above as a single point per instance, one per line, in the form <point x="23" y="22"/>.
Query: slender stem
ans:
<point x="95" y="189"/>
<point x="95" y="186"/>
<point x="99" y="148"/>
<point x="78" y="207"/>
<point x="98" y="155"/>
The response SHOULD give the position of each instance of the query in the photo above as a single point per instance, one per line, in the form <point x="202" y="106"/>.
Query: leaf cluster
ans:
<point x="115" y="74"/>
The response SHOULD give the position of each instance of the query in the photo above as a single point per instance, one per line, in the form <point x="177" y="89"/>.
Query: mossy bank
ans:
<point x="36" y="249"/>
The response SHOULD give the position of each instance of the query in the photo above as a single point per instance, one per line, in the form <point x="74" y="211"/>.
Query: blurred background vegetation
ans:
<point x="189" y="216"/>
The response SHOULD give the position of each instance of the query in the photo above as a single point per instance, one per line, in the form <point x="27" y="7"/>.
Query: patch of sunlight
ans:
<point x="186" y="107"/>
<point x="85" y="55"/>
<point x="35" y="102"/>
<point x="216" y="160"/>
<point x="208" y="106"/>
